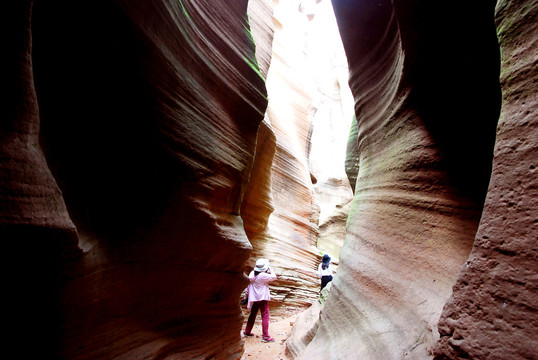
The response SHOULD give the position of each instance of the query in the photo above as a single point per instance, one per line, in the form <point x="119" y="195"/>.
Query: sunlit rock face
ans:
<point x="260" y="15"/>
<point x="257" y="204"/>
<point x="427" y="99"/>
<point x="332" y="111"/>
<point x="146" y="113"/>
<point x="493" y="311"/>
<point x="332" y="232"/>
<point x="290" y="237"/>
<point x="310" y="108"/>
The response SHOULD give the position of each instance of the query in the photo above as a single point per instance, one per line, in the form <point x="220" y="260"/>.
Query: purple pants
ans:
<point x="264" y="308"/>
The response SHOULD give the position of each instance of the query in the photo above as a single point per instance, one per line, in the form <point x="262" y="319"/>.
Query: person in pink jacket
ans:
<point x="258" y="297"/>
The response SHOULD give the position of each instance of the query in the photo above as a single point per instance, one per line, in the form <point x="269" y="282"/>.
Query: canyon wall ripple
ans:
<point x="146" y="114"/>
<point x="422" y="177"/>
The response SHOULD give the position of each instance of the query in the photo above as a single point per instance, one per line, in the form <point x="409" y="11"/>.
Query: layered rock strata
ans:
<point x="292" y="228"/>
<point x="332" y="232"/>
<point x="310" y="108"/>
<point x="332" y="109"/>
<point x="304" y="103"/>
<point x="37" y="234"/>
<point x="147" y="113"/>
<point x="427" y="100"/>
<point x="493" y="311"/>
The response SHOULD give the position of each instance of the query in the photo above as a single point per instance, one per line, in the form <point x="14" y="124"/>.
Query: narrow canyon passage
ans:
<point x="152" y="150"/>
<point x="308" y="116"/>
<point x="309" y="113"/>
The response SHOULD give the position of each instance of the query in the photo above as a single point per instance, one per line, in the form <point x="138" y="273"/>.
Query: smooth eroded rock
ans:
<point x="422" y="172"/>
<point x="493" y="311"/>
<point x="147" y="113"/>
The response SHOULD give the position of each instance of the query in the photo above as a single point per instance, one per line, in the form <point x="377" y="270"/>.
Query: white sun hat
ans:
<point x="261" y="265"/>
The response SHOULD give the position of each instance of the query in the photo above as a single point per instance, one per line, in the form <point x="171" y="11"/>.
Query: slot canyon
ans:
<point x="152" y="150"/>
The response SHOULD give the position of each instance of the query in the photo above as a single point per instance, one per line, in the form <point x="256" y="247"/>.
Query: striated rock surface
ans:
<point x="147" y="113"/>
<point x="352" y="155"/>
<point x="332" y="110"/>
<point x="310" y="108"/>
<point x="37" y="233"/>
<point x="493" y="313"/>
<point x="332" y="232"/>
<point x="257" y="204"/>
<point x="292" y="228"/>
<point x="427" y="102"/>
<point x="260" y="15"/>
<point x="308" y="323"/>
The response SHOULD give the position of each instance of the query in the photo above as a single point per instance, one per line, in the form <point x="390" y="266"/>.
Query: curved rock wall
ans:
<point x="134" y="171"/>
<point x="292" y="228"/>
<point x="332" y="113"/>
<point x="427" y="99"/>
<point x="493" y="311"/>
<point x="38" y="236"/>
<point x="310" y="107"/>
<point x="257" y="204"/>
<point x="147" y="112"/>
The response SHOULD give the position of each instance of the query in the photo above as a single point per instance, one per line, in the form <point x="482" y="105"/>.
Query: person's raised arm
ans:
<point x="271" y="274"/>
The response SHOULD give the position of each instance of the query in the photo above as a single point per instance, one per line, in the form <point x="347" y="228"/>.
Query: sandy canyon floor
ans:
<point x="279" y="329"/>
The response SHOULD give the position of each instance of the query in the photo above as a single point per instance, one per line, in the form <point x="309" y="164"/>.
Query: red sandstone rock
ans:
<point x="302" y="335"/>
<point x="148" y="115"/>
<point x="493" y="311"/>
<point x="35" y="229"/>
<point x="422" y="172"/>
<point x="29" y="196"/>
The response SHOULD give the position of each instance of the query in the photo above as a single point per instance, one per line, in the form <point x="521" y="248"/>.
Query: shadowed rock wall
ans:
<point x="427" y="100"/>
<point x="37" y="234"/>
<point x="493" y="312"/>
<point x="146" y="113"/>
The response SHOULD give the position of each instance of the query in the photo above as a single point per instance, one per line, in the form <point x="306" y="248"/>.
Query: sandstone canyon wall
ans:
<point x="425" y="78"/>
<point x="493" y="313"/>
<point x="146" y="113"/>
<point x="292" y="228"/>
<point x="141" y="176"/>
<point x="308" y="115"/>
<point x="333" y="110"/>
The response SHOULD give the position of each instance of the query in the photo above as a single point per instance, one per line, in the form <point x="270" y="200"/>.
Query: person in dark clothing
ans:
<point x="324" y="271"/>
